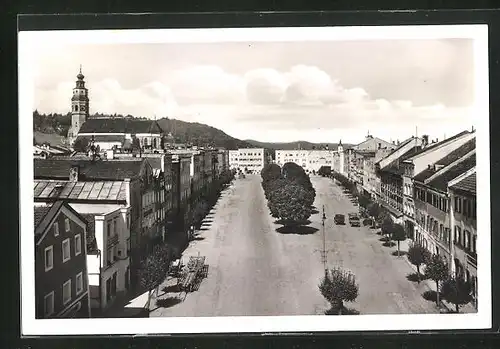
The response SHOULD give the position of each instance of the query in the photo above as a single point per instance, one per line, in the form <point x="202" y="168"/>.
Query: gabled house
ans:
<point x="61" y="279"/>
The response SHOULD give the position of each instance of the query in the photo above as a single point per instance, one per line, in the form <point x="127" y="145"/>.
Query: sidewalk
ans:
<point x="431" y="285"/>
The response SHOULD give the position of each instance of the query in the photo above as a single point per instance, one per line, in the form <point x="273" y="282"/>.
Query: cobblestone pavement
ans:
<point x="256" y="270"/>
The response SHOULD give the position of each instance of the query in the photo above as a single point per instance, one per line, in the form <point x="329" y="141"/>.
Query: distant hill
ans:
<point x="295" y="145"/>
<point x="200" y="134"/>
<point x="52" y="128"/>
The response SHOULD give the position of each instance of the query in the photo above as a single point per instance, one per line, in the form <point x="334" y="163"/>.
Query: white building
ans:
<point x="310" y="160"/>
<point x="247" y="159"/>
<point x="108" y="261"/>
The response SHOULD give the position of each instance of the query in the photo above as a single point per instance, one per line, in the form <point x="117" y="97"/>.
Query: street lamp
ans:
<point x="324" y="257"/>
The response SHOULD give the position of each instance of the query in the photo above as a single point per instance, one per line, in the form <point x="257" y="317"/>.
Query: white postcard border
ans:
<point x="28" y="43"/>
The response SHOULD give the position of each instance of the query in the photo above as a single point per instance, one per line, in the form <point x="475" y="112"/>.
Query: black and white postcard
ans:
<point x="254" y="180"/>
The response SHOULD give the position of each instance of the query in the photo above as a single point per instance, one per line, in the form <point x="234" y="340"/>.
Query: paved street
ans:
<point x="255" y="270"/>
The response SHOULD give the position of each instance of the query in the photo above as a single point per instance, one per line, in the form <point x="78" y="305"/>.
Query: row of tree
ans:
<point x="452" y="288"/>
<point x="289" y="192"/>
<point x="154" y="269"/>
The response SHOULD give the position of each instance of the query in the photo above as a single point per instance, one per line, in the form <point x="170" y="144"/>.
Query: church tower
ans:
<point x="79" y="107"/>
<point x="340" y="151"/>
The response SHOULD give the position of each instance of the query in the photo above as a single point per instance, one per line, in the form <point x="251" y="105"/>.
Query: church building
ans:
<point x="109" y="132"/>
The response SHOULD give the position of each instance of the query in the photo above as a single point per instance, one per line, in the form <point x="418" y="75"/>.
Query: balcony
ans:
<point x="472" y="260"/>
<point x="113" y="240"/>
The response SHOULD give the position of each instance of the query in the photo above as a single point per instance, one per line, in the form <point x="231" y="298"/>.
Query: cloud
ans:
<point x="260" y="103"/>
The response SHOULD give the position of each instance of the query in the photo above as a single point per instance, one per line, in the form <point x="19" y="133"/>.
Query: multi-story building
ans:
<point x="390" y="170"/>
<point x="248" y="159"/>
<point x="222" y="160"/>
<point x="425" y="162"/>
<point x="310" y="160"/>
<point x="61" y="279"/>
<point x="101" y="186"/>
<point x="108" y="261"/>
<point x="181" y="190"/>
<point x="432" y="205"/>
<point x="371" y="144"/>
<point x="462" y="195"/>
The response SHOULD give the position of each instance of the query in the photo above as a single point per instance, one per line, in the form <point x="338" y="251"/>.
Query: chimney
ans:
<point x="74" y="173"/>
<point x="473" y="129"/>
<point x="425" y="141"/>
<point x="398" y="142"/>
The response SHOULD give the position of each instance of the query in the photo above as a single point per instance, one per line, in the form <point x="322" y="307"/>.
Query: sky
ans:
<point x="322" y="91"/>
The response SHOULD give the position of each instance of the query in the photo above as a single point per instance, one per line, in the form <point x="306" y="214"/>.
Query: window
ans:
<point x="78" y="244"/>
<point x="56" y="229"/>
<point x="108" y="231"/>
<point x="49" y="258"/>
<point x="67" y="291"/>
<point x="48" y="302"/>
<point x="66" y="252"/>
<point x="66" y="224"/>
<point x="115" y="223"/>
<point x="79" y="283"/>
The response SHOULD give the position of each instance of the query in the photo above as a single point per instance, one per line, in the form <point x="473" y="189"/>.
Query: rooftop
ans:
<point x="105" y="191"/>
<point x="467" y="184"/>
<point x="120" y="125"/>
<point x="58" y="168"/>
<point x="441" y="181"/>
<point x="394" y="167"/>
<point x="447" y="160"/>
<point x="444" y="141"/>
<point x="40" y="213"/>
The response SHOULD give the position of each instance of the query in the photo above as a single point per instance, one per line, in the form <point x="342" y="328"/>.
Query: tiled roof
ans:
<point x="444" y="141"/>
<point x="91" y="241"/>
<point x="467" y="184"/>
<point x="40" y="213"/>
<point x="441" y="181"/>
<point x="110" y="190"/>
<point x="104" y="138"/>
<point x="120" y="125"/>
<point x="447" y="160"/>
<point x="89" y="170"/>
<point x="393" y="166"/>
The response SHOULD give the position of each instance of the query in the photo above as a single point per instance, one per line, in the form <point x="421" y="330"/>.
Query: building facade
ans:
<point x="61" y="278"/>
<point x="309" y="160"/>
<point x="108" y="259"/>
<point x="101" y="186"/>
<point x="463" y="206"/>
<point x="247" y="159"/>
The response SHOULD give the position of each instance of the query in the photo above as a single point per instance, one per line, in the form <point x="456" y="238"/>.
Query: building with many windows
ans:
<point x="248" y="159"/>
<point x="462" y="194"/>
<point x="101" y="186"/>
<point x="309" y="160"/>
<point x="61" y="279"/>
<point x="432" y="205"/>
<point x="108" y="261"/>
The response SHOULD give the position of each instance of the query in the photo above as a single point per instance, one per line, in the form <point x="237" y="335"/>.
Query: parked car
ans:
<point x="339" y="219"/>
<point x="354" y="220"/>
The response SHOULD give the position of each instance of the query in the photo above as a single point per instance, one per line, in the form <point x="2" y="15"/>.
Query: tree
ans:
<point x="81" y="144"/>
<point x="288" y="204"/>
<point x="136" y="145"/>
<point x="325" y="171"/>
<point x="436" y="269"/>
<point x="363" y="201"/>
<point x="398" y="234"/>
<point x="418" y="255"/>
<point x="387" y="228"/>
<point x="339" y="286"/>
<point x="154" y="270"/>
<point x="456" y="291"/>
<point x="270" y="172"/>
<point x="373" y="210"/>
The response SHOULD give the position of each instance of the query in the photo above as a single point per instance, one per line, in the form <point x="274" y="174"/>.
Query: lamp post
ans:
<point x="323" y="253"/>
